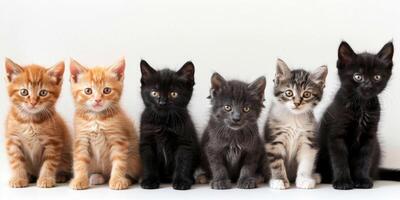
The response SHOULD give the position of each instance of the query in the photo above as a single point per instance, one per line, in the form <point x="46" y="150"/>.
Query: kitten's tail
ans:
<point x="389" y="174"/>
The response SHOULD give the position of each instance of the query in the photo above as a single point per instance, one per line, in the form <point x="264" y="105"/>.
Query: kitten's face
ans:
<point x="298" y="90"/>
<point x="166" y="90"/>
<point x="34" y="89"/>
<point x="365" y="74"/>
<point x="99" y="88"/>
<point x="235" y="103"/>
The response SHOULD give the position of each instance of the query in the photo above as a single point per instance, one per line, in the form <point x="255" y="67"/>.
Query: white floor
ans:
<point x="383" y="190"/>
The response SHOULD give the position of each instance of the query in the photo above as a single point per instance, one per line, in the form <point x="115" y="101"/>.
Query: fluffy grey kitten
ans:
<point x="290" y="130"/>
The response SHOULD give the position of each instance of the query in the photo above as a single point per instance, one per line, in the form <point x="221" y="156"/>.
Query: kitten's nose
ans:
<point x="297" y="104"/>
<point x="33" y="103"/>
<point x="97" y="100"/>
<point x="236" y="117"/>
<point x="162" y="101"/>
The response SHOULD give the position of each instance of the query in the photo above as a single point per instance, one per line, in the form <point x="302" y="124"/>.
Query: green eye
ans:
<point x="227" y="108"/>
<point x="307" y="94"/>
<point x="23" y="92"/>
<point x="88" y="91"/>
<point x="43" y="93"/>
<point x="174" y="94"/>
<point x="155" y="94"/>
<point x="246" y="109"/>
<point x="289" y="93"/>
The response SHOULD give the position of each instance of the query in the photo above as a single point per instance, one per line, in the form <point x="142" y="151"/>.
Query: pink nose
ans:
<point x="97" y="100"/>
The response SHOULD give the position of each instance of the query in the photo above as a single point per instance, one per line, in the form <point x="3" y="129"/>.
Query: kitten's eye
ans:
<point x="88" y="91"/>
<point x="307" y="94"/>
<point x="155" y="94"/>
<point x="23" y="92"/>
<point x="246" y="109"/>
<point x="358" y="77"/>
<point x="174" y="94"/>
<point x="289" y="93"/>
<point x="43" y="93"/>
<point x="227" y="108"/>
<point x="377" y="77"/>
<point x="107" y="90"/>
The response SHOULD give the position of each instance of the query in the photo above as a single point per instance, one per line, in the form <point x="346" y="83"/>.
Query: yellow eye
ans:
<point x="43" y="93"/>
<point x="24" y="92"/>
<point x="246" y="109"/>
<point x="88" y="91"/>
<point x="227" y="108"/>
<point x="289" y="93"/>
<point x="307" y="94"/>
<point x="174" y="94"/>
<point x="155" y="94"/>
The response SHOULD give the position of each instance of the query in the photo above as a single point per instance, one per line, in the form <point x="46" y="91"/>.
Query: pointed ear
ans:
<point x="386" y="53"/>
<point x="57" y="72"/>
<point x="319" y="75"/>
<point x="187" y="71"/>
<point x="217" y="83"/>
<point x="258" y="87"/>
<point x="146" y="70"/>
<point x="346" y="53"/>
<point x="76" y="69"/>
<point x="118" y="68"/>
<point x="282" y="71"/>
<point x="12" y="69"/>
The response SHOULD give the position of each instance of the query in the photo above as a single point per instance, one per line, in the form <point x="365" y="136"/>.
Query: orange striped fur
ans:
<point x="37" y="141"/>
<point x="106" y="143"/>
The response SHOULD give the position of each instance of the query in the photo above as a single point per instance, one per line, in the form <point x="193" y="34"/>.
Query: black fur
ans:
<point x="169" y="146"/>
<point x="350" y="151"/>
<point x="232" y="148"/>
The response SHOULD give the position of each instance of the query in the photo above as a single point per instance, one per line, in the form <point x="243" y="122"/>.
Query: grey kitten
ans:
<point x="232" y="147"/>
<point x="290" y="130"/>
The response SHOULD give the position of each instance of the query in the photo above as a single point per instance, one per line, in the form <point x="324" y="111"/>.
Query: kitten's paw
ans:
<point x="79" y="183"/>
<point x="182" y="184"/>
<point x="247" y="183"/>
<point x="119" y="183"/>
<point x="18" y="182"/>
<point x="317" y="178"/>
<point x="343" y="184"/>
<point x="305" y="183"/>
<point x="46" y="182"/>
<point x="363" y="183"/>
<point x="96" y="179"/>
<point x="201" y="179"/>
<point x="279" y="184"/>
<point x="221" y="184"/>
<point x="150" y="183"/>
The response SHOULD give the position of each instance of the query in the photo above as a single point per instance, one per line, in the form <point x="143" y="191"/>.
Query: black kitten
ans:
<point x="169" y="146"/>
<point x="350" y="152"/>
<point x="232" y="147"/>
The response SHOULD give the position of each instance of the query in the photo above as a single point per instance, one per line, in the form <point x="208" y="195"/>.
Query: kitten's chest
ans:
<point x="32" y="147"/>
<point x="233" y="153"/>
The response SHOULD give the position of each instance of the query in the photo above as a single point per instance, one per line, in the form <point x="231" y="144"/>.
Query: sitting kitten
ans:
<point x="350" y="151"/>
<point x="290" y="129"/>
<point x="168" y="141"/>
<point x="232" y="146"/>
<point x="37" y="139"/>
<point x="106" y="144"/>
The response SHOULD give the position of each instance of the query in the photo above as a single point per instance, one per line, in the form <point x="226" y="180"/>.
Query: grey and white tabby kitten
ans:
<point x="290" y="130"/>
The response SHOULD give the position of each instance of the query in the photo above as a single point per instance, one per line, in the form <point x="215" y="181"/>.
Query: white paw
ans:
<point x="305" y="183"/>
<point x="317" y="178"/>
<point x="97" y="179"/>
<point x="278" y="184"/>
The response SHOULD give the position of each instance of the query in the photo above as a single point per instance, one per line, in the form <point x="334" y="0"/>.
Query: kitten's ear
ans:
<point x="258" y="86"/>
<point x="187" y="71"/>
<point x="346" y="53"/>
<point x="76" y="69"/>
<point x="386" y="53"/>
<point x="57" y="72"/>
<point x="118" y="68"/>
<point x="319" y="75"/>
<point x="146" y="69"/>
<point x="12" y="69"/>
<point x="217" y="83"/>
<point x="282" y="71"/>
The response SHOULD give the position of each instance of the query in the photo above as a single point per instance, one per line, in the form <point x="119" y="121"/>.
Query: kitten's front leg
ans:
<point x="19" y="177"/>
<point x="275" y="156"/>
<point x="306" y="159"/>
<point x="81" y="163"/>
<point x="183" y="176"/>
<point x="247" y="178"/>
<point x="362" y="165"/>
<point x="220" y="177"/>
<point x="151" y="178"/>
<point x="340" y="165"/>
<point x="119" y="157"/>
<point x="51" y="161"/>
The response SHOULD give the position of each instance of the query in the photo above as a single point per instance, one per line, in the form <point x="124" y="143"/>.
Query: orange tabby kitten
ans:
<point x="37" y="140"/>
<point x="106" y="143"/>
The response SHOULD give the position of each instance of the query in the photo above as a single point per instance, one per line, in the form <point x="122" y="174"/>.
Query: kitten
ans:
<point x="232" y="146"/>
<point x="168" y="141"/>
<point x="106" y="145"/>
<point x="37" y="140"/>
<point x="350" y="150"/>
<point x="290" y="128"/>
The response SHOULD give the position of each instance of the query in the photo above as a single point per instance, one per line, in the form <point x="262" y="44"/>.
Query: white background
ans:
<point x="239" y="39"/>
